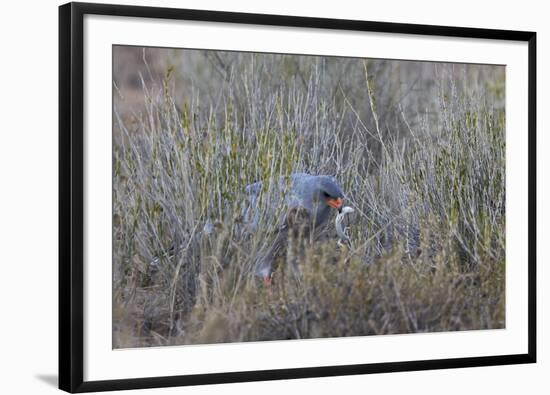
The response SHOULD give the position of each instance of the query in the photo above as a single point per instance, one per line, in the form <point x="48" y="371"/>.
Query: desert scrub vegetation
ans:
<point x="417" y="147"/>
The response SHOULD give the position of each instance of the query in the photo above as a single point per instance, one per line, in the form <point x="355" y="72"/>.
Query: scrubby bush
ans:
<point x="418" y="148"/>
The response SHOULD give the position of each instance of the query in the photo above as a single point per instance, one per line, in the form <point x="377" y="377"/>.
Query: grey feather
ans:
<point x="301" y="191"/>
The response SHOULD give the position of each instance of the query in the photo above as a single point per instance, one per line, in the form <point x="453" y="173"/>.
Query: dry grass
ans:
<point x="418" y="149"/>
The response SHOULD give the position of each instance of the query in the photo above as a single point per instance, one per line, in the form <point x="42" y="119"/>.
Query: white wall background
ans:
<point x="28" y="195"/>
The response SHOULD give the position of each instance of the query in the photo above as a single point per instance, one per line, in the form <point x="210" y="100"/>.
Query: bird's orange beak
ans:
<point x="335" y="203"/>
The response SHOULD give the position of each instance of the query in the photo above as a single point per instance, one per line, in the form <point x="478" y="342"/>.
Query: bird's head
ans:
<point x="331" y="193"/>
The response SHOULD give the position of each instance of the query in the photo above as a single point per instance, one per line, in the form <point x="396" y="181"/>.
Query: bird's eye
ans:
<point x="326" y="194"/>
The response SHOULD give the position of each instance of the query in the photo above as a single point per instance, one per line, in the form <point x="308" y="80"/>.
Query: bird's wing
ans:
<point x="251" y="211"/>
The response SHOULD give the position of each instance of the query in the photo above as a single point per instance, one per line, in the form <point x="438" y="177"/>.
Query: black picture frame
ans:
<point x="71" y="195"/>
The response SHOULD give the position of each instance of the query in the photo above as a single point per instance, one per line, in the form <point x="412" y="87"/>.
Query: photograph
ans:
<point x="266" y="196"/>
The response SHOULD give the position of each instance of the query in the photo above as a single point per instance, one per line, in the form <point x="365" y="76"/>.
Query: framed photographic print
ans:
<point x="251" y="197"/>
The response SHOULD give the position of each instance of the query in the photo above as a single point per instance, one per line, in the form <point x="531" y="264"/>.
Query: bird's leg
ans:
<point x="268" y="280"/>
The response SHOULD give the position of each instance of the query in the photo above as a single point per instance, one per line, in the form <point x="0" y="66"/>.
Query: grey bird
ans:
<point x="307" y="196"/>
